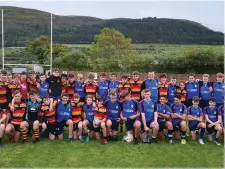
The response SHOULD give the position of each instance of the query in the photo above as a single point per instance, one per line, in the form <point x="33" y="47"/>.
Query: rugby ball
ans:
<point x="95" y="122"/>
<point x="128" y="138"/>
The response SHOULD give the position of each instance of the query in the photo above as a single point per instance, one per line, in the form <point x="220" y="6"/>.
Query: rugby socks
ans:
<point x="36" y="133"/>
<point x="202" y="133"/>
<point x="153" y="138"/>
<point x="121" y="127"/>
<point x="170" y="134"/>
<point x="183" y="134"/>
<point x="217" y="140"/>
<point x="0" y="140"/>
<point x="24" y="133"/>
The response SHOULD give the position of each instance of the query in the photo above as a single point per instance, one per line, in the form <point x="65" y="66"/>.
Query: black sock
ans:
<point x="0" y="140"/>
<point x="170" y="134"/>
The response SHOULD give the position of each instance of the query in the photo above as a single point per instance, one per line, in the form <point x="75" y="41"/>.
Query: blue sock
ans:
<point x="202" y="132"/>
<point x="69" y="137"/>
<point x="183" y="134"/>
<point x="217" y="140"/>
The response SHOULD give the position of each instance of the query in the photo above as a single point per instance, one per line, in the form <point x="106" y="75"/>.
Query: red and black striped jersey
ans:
<point x="91" y="89"/>
<point x="183" y="93"/>
<point x="19" y="113"/>
<point x="3" y="92"/>
<point x="136" y="87"/>
<point x="12" y="88"/>
<point x="64" y="86"/>
<point x="70" y="89"/>
<point x="32" y="85"/>
<point x="123" y="87"/>
<point x="47" y="115"/>
<point x="163" y="89"/>
<point x="77" y="109"/>
<point x="100" y="113"/>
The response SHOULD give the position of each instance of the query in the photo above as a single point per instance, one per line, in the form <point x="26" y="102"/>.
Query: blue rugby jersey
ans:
<point x="179" y="109"/>
<point x="152" y="85"/>
<point x="89" y="112"/>
<point x="79" y="88"/>
<point x="218" y="91"/>
<point x="43" y="91"/>
<point x="32" y="109"/>
<point x="192" y="89"/>
<point x="113" y="109"/>
<point x="164" y="109"/>
<point x="129" y="108"/>
<point x="221" y="109"/>
<point x="148" y="108"/>
<point x="195" y="112"/>
<point x="172" y="91"/>
<point x="103" y="88"/>
<point x="114" y="86"/>
<point x="64" y="111"/>
<point x="212" y="113"/>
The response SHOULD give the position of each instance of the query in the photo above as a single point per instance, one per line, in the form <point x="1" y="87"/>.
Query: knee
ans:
<point x="36" y="124"/>
<point x="103" y="125"/>
<point x="70" y="122"/>
<point x="7" y="130"/>
<point x="2" y="127"/>
<point x="108" y="123"/>
<point x="203" y="125"/>
<point x="137" y="124"/>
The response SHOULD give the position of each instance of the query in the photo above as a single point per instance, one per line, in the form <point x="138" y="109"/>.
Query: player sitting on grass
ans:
<point x="113" y="115"/>
<point x="64" y="113"/>
<point x="178" y="115"/>
<point x="17" y="122"/>
<point x="149" y="117"/>
<point x="2" y="125"/>
<point x="88" y="111"/>
<point x="129" y="114"/>
<point x="213" y="121"/>
<point x="77" y="108"/>
<point x="195" y="118"/>
<point x="164" y="113"/>
<point x="99" y="122"/>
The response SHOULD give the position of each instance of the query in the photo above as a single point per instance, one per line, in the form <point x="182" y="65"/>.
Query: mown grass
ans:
<point x="59" y="154"/>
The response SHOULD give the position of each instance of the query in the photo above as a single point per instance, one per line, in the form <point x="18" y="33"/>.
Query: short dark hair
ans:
<point x="89" y="96"/>
<point x="32" y="92"/>
<point x="124" y="94"/>
<point x="71" y="75"/>
<point x="65" y="94"/>
<point x="42" y="74"/>
<point x="102" y="74"/>
<point x="195" y="99"/>
<point x="162" y="76"/>
<point x="212" y="99"/>
<point x="164" y="96"/>
<point x="23" y="73"/>
<point x="178" y="96"/>
<point x="191" y="74"/>
<point x="4" y="72"/>
<point x="135" y="72"/>
<point x="99" y="98"/>
<point x="17" y="92"/>
<point x="64" y="75"/>
<point x="124" y="77"/>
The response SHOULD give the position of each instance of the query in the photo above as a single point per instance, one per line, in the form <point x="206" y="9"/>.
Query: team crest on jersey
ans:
<point x="132" y="106"/>
<point x="214" y="112"/>
<point x="164" y="111"/>
<point x="181" y="109"/>
<point x="46" y="85"/>
<point x="195" y="85"/>
<point x="116" y="107"/>
<point x="152" y="106"/>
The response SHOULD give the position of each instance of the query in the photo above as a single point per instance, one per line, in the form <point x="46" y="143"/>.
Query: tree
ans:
<point x="110" y="47"/>
<point x="40" y="47"/>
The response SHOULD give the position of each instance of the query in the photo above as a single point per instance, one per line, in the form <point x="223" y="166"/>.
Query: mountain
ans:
<point x="21" y="24"/>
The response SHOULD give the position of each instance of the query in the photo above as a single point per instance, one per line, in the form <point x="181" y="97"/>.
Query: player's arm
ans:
<point x="12" y="104"/>
<point x="122" y="117"/>
<point x="3" y="118"/>
<point x="173" y="114"/>
<point x="219" y="120"/>
<point x="136" y="110"/>
<point x="207" y="119"/>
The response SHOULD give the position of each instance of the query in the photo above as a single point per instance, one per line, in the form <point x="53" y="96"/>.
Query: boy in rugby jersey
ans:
<point x="195" y="118"/>
<point x="32" y="82"/>
<point x="13" y="86"/>
<point x="43" y="86"/>
<point x="17" y="122"/>
<point x="79" y="87"/>
<point x="2" y="125"/>
<point x="113" y="108"/>
<point x="164" y="112"/>
<point x="113" y="84"/>
<point x="178" y="115"/>
<point x="218" y="89"/>
<point x="63" y="117"/>
<point x="130" y="114"/>
<point x="103" y="86"/>
<point x="88" y="111"/>
<point x="149" y="117"/>
<point x="213" y="121"/>
<point x="77" y="117"/>
<point x="163" y="85"/>
<point x="173" y="89"/>
<point x="70" y="89"/>
<point x="100" y="117"/>
<point x="91" y="86"/>
<point x="136" y="86"/>
<point x="183" y="92"/>
<point x="63" y="83"/>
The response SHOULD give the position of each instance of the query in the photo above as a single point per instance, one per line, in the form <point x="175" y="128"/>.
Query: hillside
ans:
<point x="22" y="24"/>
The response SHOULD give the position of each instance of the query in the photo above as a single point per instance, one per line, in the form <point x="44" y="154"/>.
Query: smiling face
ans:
<point x="191" y="79"/>
<point x="65" y="99"/>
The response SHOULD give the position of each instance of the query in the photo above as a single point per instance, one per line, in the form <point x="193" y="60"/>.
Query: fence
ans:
<point x="145" y="75"/>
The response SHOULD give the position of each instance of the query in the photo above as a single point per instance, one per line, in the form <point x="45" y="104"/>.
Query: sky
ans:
<point x="208" y="13"/>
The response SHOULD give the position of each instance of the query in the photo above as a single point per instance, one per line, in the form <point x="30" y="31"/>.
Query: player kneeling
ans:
<point x="64" y="112"/>
<point x="149" y="117"/>
<point x="77" y="108"/>
<point x="113" y="113"/>
<point x="88" y="111"/>
<point x="213" y="121"/>
<point x="179" y="113"/>
<point x="129" y="114"/>
<point x="100" y="119"/>
<point x="195" y="118"/>
<point x="164" y="113"/>
<point x="17" y="122"/>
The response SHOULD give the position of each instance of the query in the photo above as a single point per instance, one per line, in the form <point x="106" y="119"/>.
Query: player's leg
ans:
<point x="86" y="123"/>
<point x="218" y="129"/>
<point x="144" y="134"/>
<point x="2" y="129"/>
<point x="202" y="132"/>
<point x="75" y="131"/>
<point x="80" y="129"/>
<point x="23" y="129"/>
<point x="70" y="128"/>
<point x="161" y="128"/>
<point x="155" y="130"/>
<point x="114" y="127"/>
<point x="169" y="126"/>
<point x="36" y="126"/>
<point x="137" y="130"/>
<point x="51" y="128"/>
<point x="104" y="132"/>
<point x="108" y="129"/>
<point x="8" y="116"/>
<point x="183" y="129"/>
<point x="210" y="131"/>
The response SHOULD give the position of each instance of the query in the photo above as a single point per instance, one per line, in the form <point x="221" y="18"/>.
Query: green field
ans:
<point x="114" y="154"/>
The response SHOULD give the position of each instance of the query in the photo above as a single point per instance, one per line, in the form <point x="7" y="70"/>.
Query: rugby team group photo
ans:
<point x="144" y="111"/>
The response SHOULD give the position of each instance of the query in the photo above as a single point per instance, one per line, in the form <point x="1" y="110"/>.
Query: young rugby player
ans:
<point x="91" y="86"/>
<point x="218" y="89"/>
<point x="205" y="91"/>
<point x="136" y="86"/>
<point x="173" y="89"/>
<point x="79" y="87"/>
<point x="43" y="86"/>
<point x="70" y="89"/>
<point x="103" y="86"/>
<point x="2" y="125"/>
<point x="113" y="84"/>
